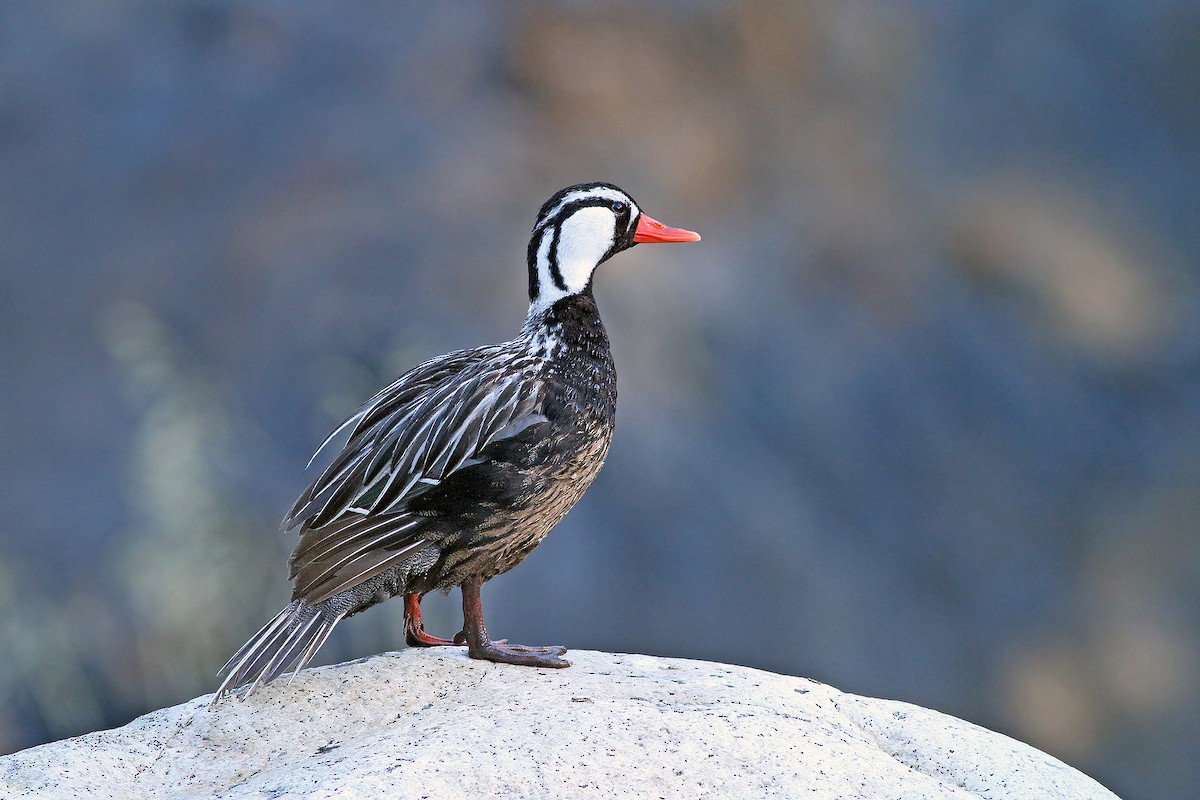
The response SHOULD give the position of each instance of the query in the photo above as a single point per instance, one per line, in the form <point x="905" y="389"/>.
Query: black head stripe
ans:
<point x="555" y="272"/>
<point x="551" y="206"/>
<point x="566" y="211"/>
<point x="531" y="260"/>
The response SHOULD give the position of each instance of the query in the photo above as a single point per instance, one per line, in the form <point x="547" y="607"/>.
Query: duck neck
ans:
<point x="569" y="323"/>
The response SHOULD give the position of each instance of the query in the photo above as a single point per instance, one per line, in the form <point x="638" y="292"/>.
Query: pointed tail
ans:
<point x="292" y="636"/>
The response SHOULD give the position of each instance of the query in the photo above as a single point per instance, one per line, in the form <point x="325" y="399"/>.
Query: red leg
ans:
<point x="480" y="646"/>
<point x="414" y="629"/>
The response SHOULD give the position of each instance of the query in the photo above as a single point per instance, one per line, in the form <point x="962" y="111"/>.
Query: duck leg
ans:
<point x="480" y="646"/>
<point x="414" y="629"/>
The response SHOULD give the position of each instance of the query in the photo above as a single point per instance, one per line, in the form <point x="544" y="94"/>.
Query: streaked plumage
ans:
<point x="461" y="466"/>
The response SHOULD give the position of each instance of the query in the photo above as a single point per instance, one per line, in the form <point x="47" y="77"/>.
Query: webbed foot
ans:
<point x="480" y="645"/>
<point x="503" y="653"/>
<point x="414" y="628"/>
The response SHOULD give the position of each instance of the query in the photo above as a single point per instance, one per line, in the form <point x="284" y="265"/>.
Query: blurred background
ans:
<point x="920" y="418"/>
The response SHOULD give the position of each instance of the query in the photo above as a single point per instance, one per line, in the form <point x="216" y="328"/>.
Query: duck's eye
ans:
<point x="620" y="207"/>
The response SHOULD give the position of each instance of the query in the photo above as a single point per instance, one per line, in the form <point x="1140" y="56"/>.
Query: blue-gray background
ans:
<point x="919" y="418"/>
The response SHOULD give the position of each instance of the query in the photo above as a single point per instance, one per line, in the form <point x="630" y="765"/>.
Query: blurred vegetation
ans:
<point x="920" y="418"/>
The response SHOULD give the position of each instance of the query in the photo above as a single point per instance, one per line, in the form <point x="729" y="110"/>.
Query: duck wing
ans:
<point x="435" y="419"/>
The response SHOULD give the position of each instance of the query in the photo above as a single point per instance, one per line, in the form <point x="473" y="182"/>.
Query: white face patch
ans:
<point x="585" y="237"/>
<point x="582" y="240"/>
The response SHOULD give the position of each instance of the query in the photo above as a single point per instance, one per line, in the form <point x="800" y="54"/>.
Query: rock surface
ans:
<point x="434" y="724"/>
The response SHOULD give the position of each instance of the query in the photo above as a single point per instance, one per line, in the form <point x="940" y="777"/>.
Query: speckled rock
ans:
<point x="434" y="724"/>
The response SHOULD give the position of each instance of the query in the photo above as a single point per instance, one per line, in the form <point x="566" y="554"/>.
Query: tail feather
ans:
<point x="251" y="646"/>
<point x="285" y="653"/>
<point x="311" y="650"/>
<point x="292" y="636"/>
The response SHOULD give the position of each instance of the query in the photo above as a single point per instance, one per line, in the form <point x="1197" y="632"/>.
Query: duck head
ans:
<point x="578" y="229"/>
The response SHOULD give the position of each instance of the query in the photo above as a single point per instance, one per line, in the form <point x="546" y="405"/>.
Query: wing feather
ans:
<point x="435" y="419"/>
<point x="345" y="535"/>
<point x="402" y="396"/>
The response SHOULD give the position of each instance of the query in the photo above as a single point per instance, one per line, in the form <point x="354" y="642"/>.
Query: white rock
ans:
<point x="434" y="724"/>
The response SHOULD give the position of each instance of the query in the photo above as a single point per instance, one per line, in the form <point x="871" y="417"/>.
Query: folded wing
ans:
<point x="435" y="419"/>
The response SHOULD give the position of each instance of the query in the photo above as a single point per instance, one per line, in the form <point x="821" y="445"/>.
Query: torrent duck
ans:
<point x="453" y="473"/>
